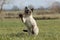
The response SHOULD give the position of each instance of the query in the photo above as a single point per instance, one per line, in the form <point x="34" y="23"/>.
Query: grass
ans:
<point x="11" y="29"/>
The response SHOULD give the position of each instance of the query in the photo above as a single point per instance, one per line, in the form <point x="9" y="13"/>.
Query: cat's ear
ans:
<point x="26" y="9"/>
<point x="32" y="9"/>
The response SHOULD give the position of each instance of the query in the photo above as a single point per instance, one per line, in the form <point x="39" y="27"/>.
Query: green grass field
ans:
<point x="11" y="29"/>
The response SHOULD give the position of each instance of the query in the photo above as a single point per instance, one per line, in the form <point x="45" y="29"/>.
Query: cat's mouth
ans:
<point x="27" y="12"/>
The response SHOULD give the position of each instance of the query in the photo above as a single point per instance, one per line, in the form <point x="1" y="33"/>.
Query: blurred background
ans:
<point x="43" y="9"/>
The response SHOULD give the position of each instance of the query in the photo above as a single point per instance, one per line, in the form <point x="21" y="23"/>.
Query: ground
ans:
<point x="11" y="29"/>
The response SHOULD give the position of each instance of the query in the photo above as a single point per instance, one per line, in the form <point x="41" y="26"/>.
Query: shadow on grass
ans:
<point x="22" y="34"/>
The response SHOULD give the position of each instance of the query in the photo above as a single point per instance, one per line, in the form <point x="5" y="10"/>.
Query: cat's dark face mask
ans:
<point x="27" y="11"/>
